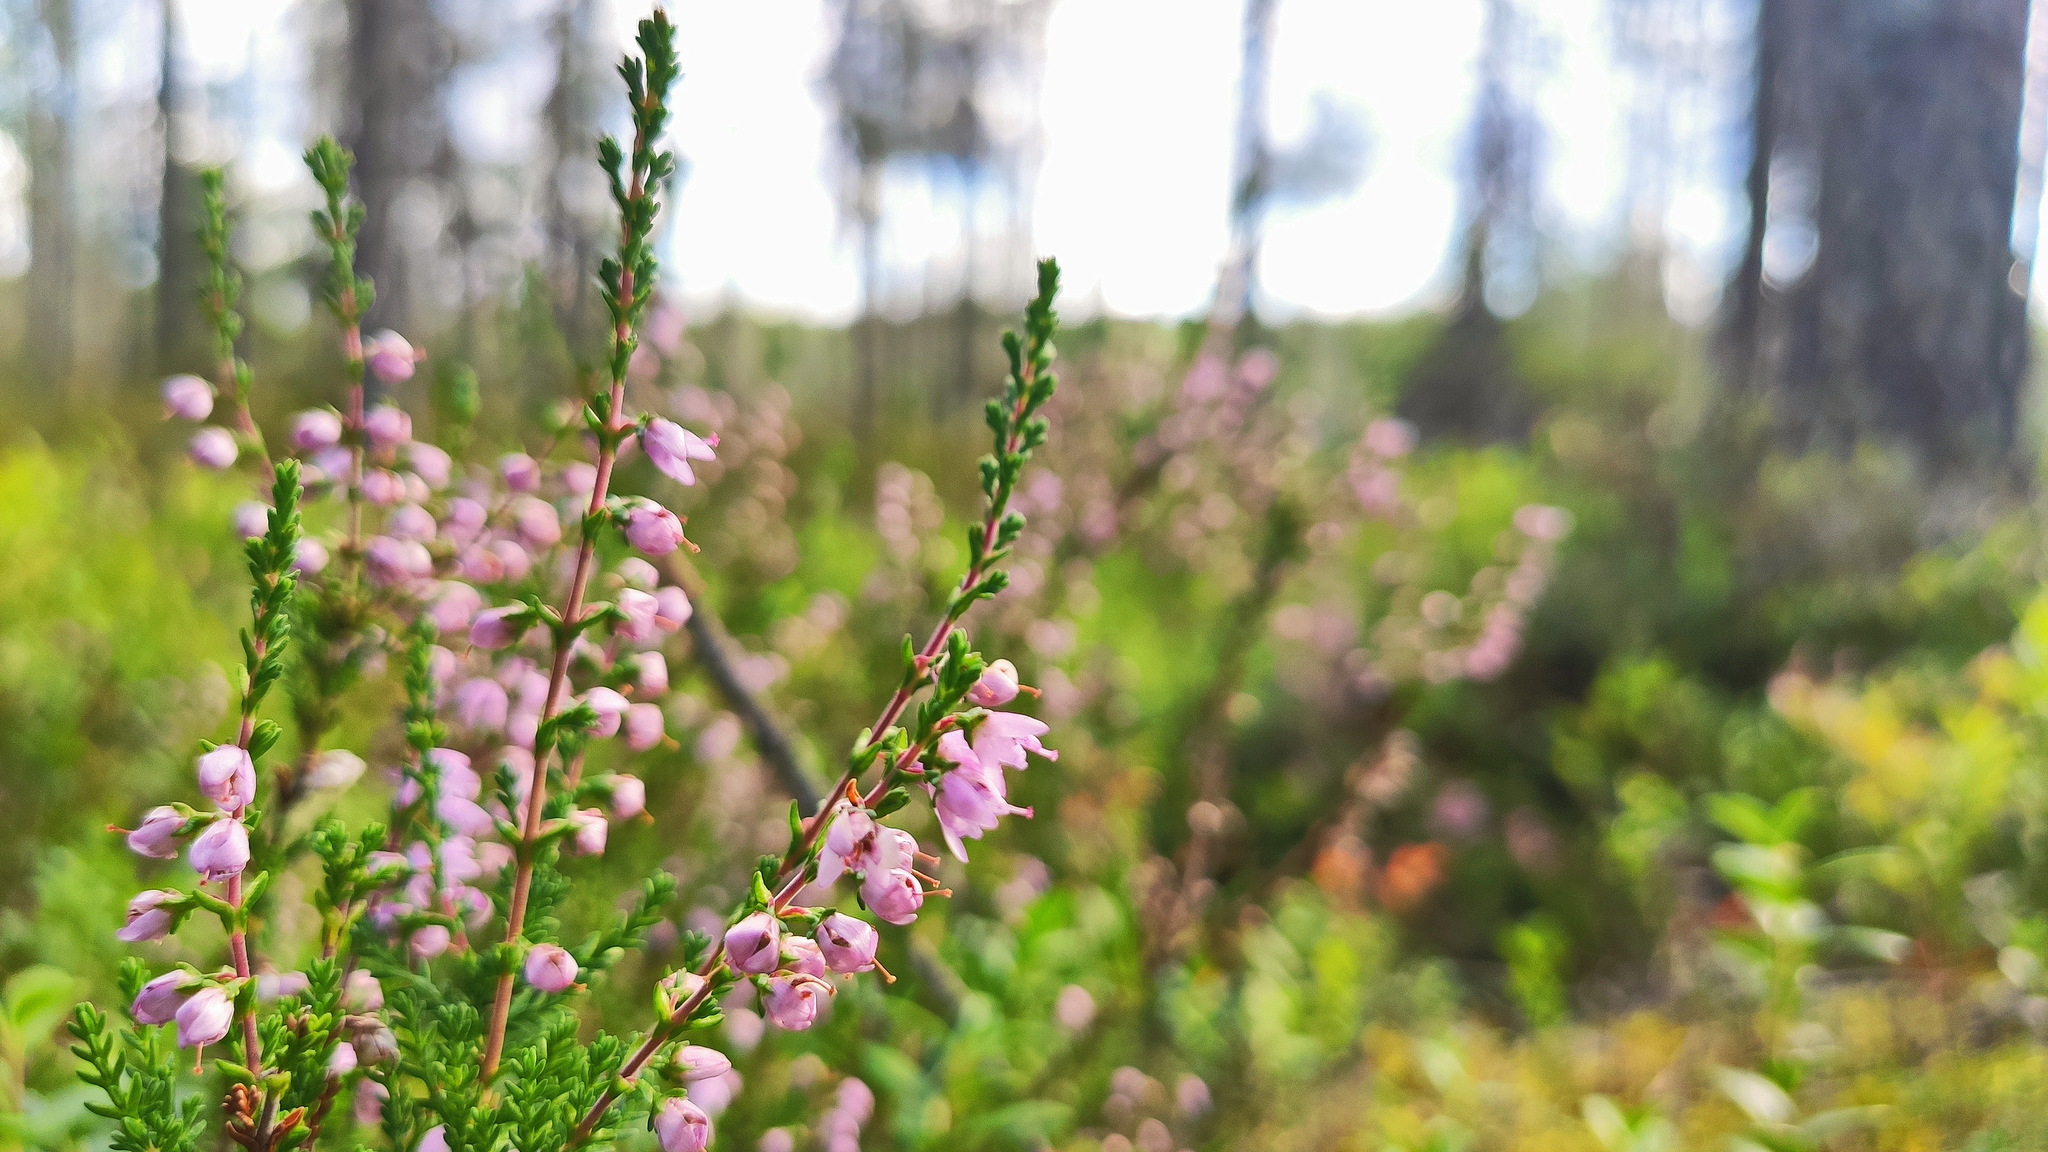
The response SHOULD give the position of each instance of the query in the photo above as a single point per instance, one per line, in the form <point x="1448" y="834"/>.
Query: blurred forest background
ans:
<point x="1593" y="698"/>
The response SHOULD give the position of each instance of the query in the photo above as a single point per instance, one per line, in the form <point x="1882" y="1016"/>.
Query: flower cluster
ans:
<point x="533" y="669"/>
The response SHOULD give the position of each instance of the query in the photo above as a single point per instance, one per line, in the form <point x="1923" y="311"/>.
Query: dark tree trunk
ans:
<point x="398" y="53"/>
<point x="177" y="221"/>
<point x="1910" y="322"/>
<point x="1744" y="306"/>
<point x="52" y="273"/>
<point x="571" y="118"/>
<point x="1252" y="164"/>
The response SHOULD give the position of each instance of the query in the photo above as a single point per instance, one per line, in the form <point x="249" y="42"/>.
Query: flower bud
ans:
<point x="147" y="918"/>
<point x="315" y="430"/>
<point x="383" y="487"/>
<point x="187" y="397"/>
<point x="159" y="834"/>
<point x="159" y="1000"/>
<point x="550" y="968"/>
<point x="634" y="572"/>
<point x="310" y="557"/>
<point x="368" y="1104"/>
<point x="651" y="671"/>
<point x="644" y="727"/>
<point x="204" y="1017"/>
<point x="374" y="1042"/>
<point x="538" y="524"/>
<point x="361" y="993"/>
<point x="629" y="797"/>
<point x="495" y="627"/>
<point x="228" y="777"/>
<point x="641" y="615"/>
<point x="754" y="945"/>
<point x="436" y="1139"/>
<point x="696" y="1062"/>
<point x="848" y="943"/>
<point x="996" y="687"/>
<point x="792" y="1002"/>
<point x="391" y="357"/>
<point x="222" y="850"/>
<point x="580" y="476"/>
<point x="333" y="768"/>
<point x="590" y="833"/>
<point x="341" y="1061"/>
<point x="894" y="895"/>
<point x="801" y="954"/>
<point x="430" y="464"/>
<point x="671" y="447"/>
<point x="392" y="561"/>
<point x="609" y="706"/>
<point x="681" y="1126"/>
<point x="411" y="522"/>
<point x="213" y="448"/>
<point x="428" y="942"/>
<point x="454" y="607"/>
<point x="671" y="608"/>
<point x="387" y="426"/>
<point x="514" y="562"/>
<point x="653" y="529"/>
<point x="252" y="519"/>
<point x="274" y="986"/>
<point x="521" y="472"/>
<point x="481" y="705"/>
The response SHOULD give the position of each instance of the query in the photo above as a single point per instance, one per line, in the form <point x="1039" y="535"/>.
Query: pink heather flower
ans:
<point x="644" y="727"/>
<point x="316" y="429"/>
<point x="653" y="529"/>
<point x="466" y="517"/>
<point x="252" y="519"/>
<point x="464" y="816"/>
<point x="802" y="954"/>
<point x="847" y="943"/>
<point x="521" y="472"/>
<point x="158" y="836"/>
<point x="550" y="968"/>
<point x="361" y="993"/>
<point x="682" y="1126"/>
<point x="392" y="561"/>
<point x="310" y="557"/>
<point x="1258" y="368"/>
<point x="222" y="850"/>
<point x="514" y="562"/>
<point x="1543" y="522"/>
<point x="213" y="448"/>
<point x="391" y="356"/>
<point x="697" y="1062"/>
<point x="719" y="1092"/>
<point x="894" y="895"/>
<point x="387" y="426"/>
<point x="454" y="772"/>
<point x="428" y="942"/>
<point x="147" y="918"/>
<point x="671" y="447"/>
<point x="333" y="768"/>
<point x="228" y="777"/>
<point x="793" y="1001"/>
<point x="590" y="833"/>
<point x="609" y="706"/>
<point x="204" y="1018"/>
<point x="629" y="797"/>
<point x="341" y="1061"/>
<point x="368" y="1104"/>
<point x="642" y="615"/>
<point x="454" y="607"/>
<point x="671" y="608"/>
<point x="1389" y="439"/>
<point x="481" y="705"/>
<point x="1192" y="1097"/>
<point x="330" y="464"/>
<point x="754" y="945"/>
<point x="274" y="986"/>
<point x="159" y="1000"/>
<point x="383" y="487"/>
<point x="634" y="572"/>
<point x="997" y="686"/>
<point x="1004" y="738"/>
<point x="411" y="522"/>
<point x="436" y="1139"/>
<point x="579" y="477"/>
<point x="187" y="397"/>
<point x="497" y="627"/>
<point x="1074" y="1009"/>
<point x="969" y="803"/>
<point x="430" y="464"/>
<point x="651" y="671"/>
<point x="540" y="528"/>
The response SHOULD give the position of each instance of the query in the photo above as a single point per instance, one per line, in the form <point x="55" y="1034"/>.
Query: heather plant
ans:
<point x="413" y="982"/>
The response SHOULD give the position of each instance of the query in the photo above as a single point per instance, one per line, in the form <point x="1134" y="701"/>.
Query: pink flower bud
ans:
<point x="642" y="615"/>
<point x="274" y="986"/>
<point x="428" y="942"/>
<point x="333" y="768"/>
<point x="481" y="705"/>
<point x="204" y="1018"/>
<point x="361" y="993"/>
<point x="392" y="561"/>
<point x="497" y="627"/>
<point x="252" y="519"/>
<point x="383" y="487"/>
<point x="681" y="1126"/>
<point x="310" y="557"/>
<point x="1389" y="439"/>
<point x="801" y="954"/>
<point x="341" y="1061"/>
<point x="634" y="572"/>
<point x="644" y="727"/>
<point x="894" y="895"/>
<point x="391" y="356"/>
<point x="228" y="777"/>
<point x="848" y="943"/>
<point x="651" y="671"/>
<point x="315" y="430"/>
<point x="464" y="816"/>
<point x="579" y="477"/>
<point x="159" y="834"/>
<point x="609" y="706"/>
<point x="540" y="528"/>
<point x="187" y="397"/>
<point x="996" y="687"/>
<point x="436" y="1139"/>
<point x="754" y="945"/>
<point x="159" y="1000"/>
<point x="411" y="522"/>
<point x="856" y="1100"/>
<point x="147" y="918"/>
<point x="368" y="1105"/>
<point x="653" y="529"/>
<point x="521" y="472"/>
<point x="590" y="833"/>
<point x="629" y="796"/>
<point x="213" y="448"/>
<point x="792" y="1002"/>
<point x="671" y="608"/>
<point x="222" y="850"/>
<point x="550" y="968"/>
<point x="697" y="1062"/>
<point x="430" y="464"/>
<point x="387" y="426"/>
<point x="514" y="562"/>
<point x="454" y="607"/>
<point x="671" y="447"/>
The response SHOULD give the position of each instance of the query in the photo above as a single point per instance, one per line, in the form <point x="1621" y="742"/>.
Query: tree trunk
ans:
<point x="177" y="223"/>
<point x="398" y="53"/>
<point x="52" y="273"/>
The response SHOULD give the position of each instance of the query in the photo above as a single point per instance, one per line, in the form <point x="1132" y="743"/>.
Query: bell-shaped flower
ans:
<point x="222" y="850"/>
<point x="391" y="357"/>
<point x="160" y="834"/>
<point x="213" y="448"/>
<point x="681" y="1126"/>
<point x="848" y="943"/>
<point x="1005" y="737"/>
<point x="754" y="945"/>
<point x="644" y="726"/>
<point x="671" y="447"/>
<point x="228" y="777"/>
<point x="653" y="529"/>
<point x="159" y="1000"/>
<point x="550" y="968"/>
<point x="204" y="1017"/>
<point x="895" y="895"/>
<point x="147" y="917"/>
<point x="792" y="1002"/>
<point x="996" y="687"/>
<point x="187" y="397"/>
